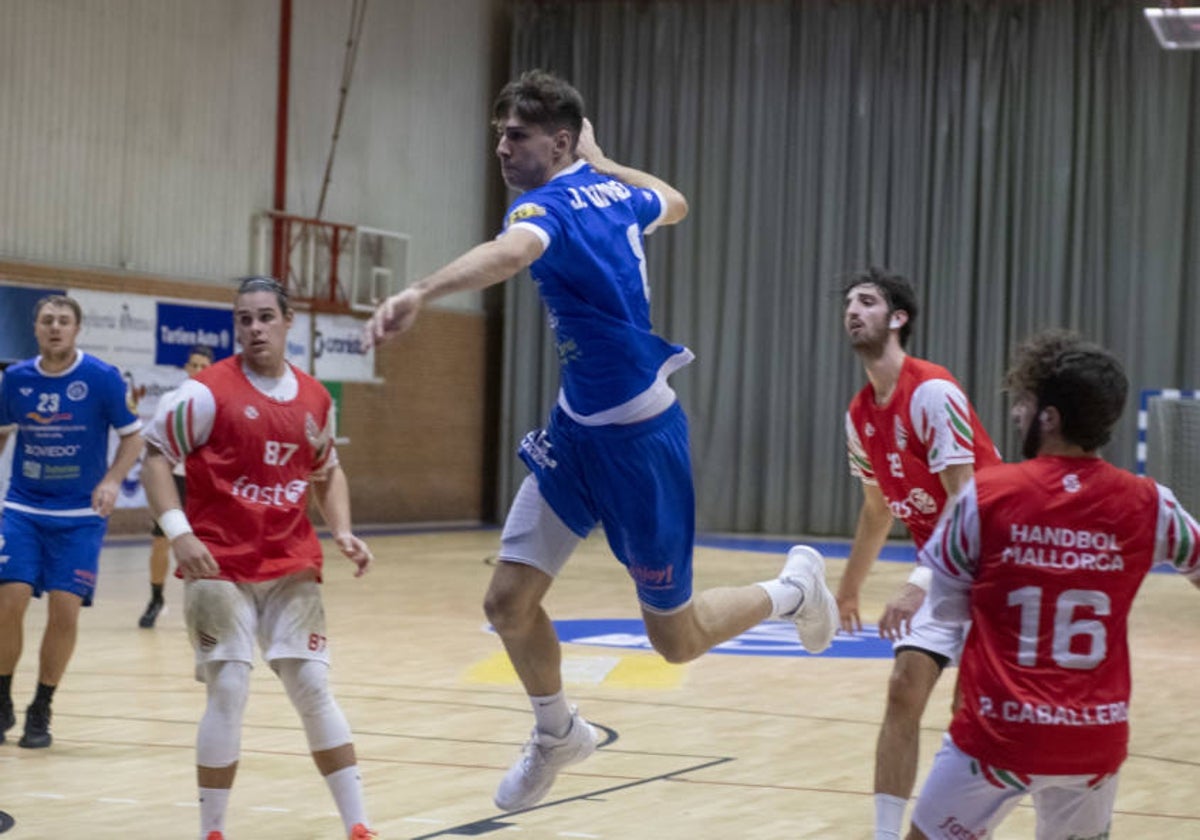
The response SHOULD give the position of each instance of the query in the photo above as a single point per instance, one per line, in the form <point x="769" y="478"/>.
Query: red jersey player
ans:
<point x="255" y="434"/>
<point x="1045" y="558"/>
<point x="914" y="440"/>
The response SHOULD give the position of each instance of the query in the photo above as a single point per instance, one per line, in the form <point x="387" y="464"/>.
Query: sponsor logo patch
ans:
<point x="528" y="210"/>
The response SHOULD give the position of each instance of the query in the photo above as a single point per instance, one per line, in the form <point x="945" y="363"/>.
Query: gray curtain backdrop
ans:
<point x="1026" y="164"/>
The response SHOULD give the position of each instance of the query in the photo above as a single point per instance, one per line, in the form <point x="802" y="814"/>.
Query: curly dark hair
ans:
<point x="1034" y="358"/>
<point x="1082" y="380"/>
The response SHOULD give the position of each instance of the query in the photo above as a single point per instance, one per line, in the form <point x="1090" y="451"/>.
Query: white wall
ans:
<point x="141" y="133"/>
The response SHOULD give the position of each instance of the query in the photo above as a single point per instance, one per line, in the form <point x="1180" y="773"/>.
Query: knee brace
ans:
<point x="219" y="739"/>
<point x="307" y="685"/>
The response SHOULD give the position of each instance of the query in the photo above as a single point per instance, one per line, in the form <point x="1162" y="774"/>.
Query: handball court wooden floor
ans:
<point x="728" y="746"/>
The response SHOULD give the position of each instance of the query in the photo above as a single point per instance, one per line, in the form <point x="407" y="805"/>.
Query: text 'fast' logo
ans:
<point x="278" y="495"/>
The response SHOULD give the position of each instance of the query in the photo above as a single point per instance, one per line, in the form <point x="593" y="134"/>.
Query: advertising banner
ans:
<point x="117" y="328"/>
<point x="339" y="353"/>
<point x="180" y="327"/>
<point x="299" y="342"/>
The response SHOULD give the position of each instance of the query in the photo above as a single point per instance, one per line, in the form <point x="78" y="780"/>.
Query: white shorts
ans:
<point x="285" y="617"/>
<point x="534" y="534"/>
<point x="963" y="797"/>
<point x="941" y="637"/>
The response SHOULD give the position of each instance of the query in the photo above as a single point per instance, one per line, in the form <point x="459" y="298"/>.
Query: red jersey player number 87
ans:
<point x="277" y="453"/>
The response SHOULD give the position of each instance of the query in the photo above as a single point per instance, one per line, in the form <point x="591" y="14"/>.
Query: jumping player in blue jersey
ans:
<point x="615" y="450"/>
<point x="63" y="403"/>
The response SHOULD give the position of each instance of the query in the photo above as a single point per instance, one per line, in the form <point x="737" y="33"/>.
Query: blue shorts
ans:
<point x="636" y="480"/>
<point x="52" y="552"/>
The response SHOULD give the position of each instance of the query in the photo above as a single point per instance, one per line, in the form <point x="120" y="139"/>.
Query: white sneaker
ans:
<point x="530" y="778"/>
<point x="817" y="617"/>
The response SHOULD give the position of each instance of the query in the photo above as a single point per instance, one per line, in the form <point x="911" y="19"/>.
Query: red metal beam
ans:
<point x="278" y="257"/>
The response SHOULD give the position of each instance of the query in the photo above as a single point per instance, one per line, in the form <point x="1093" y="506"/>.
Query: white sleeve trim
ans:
<point x="662" y="211"/>
<point x="126" y="431"/>
<point x="532" y="228"/>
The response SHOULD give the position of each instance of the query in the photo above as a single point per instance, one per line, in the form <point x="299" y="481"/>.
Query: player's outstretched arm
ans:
<point x="871" y="532"/>
<point x="588" y="149"/>
<point x="332" y="494"/>
<point x="484" y="265"/>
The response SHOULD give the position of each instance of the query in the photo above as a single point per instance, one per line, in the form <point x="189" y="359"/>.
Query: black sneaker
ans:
<point x="37" y="729"/>
<point x="7" y="718"/>
<point x="151" y="614"/>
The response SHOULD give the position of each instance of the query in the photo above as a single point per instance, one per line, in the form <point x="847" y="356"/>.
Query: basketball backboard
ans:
<point x="1175" y="28"/>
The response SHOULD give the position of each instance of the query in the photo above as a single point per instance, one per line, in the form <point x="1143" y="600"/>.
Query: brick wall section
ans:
<point x="422" y="445"/>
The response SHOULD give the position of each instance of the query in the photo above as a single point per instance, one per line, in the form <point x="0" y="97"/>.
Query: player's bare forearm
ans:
<point x="484" y="265"/>
<point x="108" y="490"/>
<point x="870" y="534"/>
<point x="589" y="150"/>
<point x="160" y="488"/>
<point x="332" y="495"/>
<point x="874" y="522"/>
<point x="128" y="451"/>
<point x="954" y="478"/>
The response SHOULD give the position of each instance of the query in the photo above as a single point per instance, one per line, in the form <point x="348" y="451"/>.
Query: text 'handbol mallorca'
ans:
<point x="1035" y="545"/>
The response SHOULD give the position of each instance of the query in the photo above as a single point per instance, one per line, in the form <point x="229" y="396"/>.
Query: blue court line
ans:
<point x="891" y="553"/>
<point x="779" y="545"/>
<point x="728" y="542"/>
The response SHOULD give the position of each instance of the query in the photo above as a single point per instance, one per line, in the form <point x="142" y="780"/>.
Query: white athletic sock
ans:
<point x="889" y="816"/>
<point x="785" y="597"/>
<point x="213" y="804"/>
<point x="346" y="787"/>
<point x="552" y="714"/>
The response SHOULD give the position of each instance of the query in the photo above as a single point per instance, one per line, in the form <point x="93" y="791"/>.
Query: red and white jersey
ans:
<point x="1045" y="558"/>
<point x="250" y="448"/>
<point x="927" y="425"/>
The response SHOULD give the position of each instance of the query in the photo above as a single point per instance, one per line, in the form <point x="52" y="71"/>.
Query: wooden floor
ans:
<point x="752" y="746"/>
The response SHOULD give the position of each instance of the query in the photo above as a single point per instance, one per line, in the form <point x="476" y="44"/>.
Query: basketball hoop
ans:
<point x="1176" y="28"/>
<point x="330" y="266"/>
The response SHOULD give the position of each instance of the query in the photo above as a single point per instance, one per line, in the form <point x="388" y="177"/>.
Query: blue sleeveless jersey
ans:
<point x="61" y="450"/>
<point x="592" y="279"/>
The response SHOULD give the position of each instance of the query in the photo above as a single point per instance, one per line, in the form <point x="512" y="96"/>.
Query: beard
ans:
<point x="870" y="344"/>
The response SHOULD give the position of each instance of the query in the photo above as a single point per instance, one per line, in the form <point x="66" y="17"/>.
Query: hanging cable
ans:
<point x="358" y="11"/>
